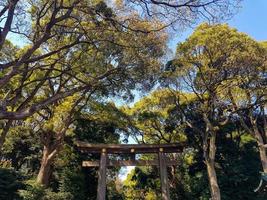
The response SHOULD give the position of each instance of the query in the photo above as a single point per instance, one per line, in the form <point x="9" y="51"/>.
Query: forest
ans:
<point x="103" y="72"/>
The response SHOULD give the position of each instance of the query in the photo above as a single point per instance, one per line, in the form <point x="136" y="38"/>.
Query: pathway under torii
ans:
<point x="105" y="149"/>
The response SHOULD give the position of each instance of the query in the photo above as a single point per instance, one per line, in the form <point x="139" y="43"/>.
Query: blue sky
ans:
<point x="251" y="19"/>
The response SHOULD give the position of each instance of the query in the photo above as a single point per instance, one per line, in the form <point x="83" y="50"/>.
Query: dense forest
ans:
<point x="102" y="72"/>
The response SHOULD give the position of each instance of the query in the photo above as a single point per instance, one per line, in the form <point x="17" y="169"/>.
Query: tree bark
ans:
<point x="262" y="150"/>
<point x="210" y="163"/>
<point x="50" y="150"/>
<point x="10" y="15"/>
<point x="260" y="139"/>
<point x="209" y="149"/>
<point x="53" y="142"/>
<point x="45" y="169"/>
<point x="214" y="187"/>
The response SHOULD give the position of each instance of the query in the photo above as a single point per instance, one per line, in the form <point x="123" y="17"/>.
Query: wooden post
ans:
<point x="101" y="188"/>
<point x="163" y="175"/>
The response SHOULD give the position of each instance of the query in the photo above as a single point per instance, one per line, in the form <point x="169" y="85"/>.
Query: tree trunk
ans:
<point x="51" y="148"/>
<point x="45" y="169"/>
<point x="262" y="150"/>
<point x="214" y="187"/>
<point x="210" y="163"/>
<point x="263" y="158"/>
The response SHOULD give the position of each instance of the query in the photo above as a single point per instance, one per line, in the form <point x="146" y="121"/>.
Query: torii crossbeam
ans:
<point x="132" y="149"/>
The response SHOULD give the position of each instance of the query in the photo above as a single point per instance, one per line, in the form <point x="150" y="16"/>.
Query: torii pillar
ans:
<point x="101" y="187"/>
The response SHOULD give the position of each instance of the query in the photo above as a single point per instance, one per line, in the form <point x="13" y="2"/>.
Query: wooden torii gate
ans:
<point x="132" y="149"/>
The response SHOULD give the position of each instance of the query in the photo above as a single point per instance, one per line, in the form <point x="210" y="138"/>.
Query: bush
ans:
<point x="9" y="184"/>
<point x="35" y="191"/>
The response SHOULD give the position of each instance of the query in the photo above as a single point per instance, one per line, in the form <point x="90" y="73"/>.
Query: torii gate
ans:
<point x="132" y="149"/>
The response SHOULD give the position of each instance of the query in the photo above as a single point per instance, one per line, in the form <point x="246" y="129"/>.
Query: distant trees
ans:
<point x="158" y="118"/>
<point x="151" y="120"/>
<point x="142" y="183"/>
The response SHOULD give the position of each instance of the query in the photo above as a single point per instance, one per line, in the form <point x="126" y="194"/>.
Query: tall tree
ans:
<point x="205" y="64"/>
<point x="89" y="53"/>
<point x="248" y="96"/>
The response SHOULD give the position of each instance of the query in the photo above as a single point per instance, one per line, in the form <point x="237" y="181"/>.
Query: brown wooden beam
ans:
<point x="129" y="148"/>
<point x="121" y="163"/>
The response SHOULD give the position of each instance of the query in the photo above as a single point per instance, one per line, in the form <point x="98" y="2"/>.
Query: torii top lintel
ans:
<point x="130" y="148"/>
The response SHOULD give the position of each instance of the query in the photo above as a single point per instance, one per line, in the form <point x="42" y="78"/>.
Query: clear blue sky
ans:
<point x="251" y="19"/>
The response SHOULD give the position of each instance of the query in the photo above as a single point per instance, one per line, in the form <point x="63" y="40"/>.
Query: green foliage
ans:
<point x="96" y="131"/>
<point x="114" y="61"/>
<point x="94" y="50"/>
<point x="23" y="148"/>
<point x="113" y="191"/>
<point x="10" y="183"/>
<point x="237" y="162"/>
<point x="35" y="191"/>
<point x="151" y="118"/>
<point x="238" y="166"/>
<point x="69" y="179"/>
<point x="72" y="182"/>
<point x="142" y="183"/>
<point x="216" y="58"/>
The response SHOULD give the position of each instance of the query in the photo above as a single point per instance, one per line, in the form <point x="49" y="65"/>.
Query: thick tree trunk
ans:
<point x="210" y="163"/>
<point x="52" y="143"/>
<point x="45" y="169"/>
<point x="51" y="148"/>
<point x="209" y="148"/>
<point x="214" y="187"/>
